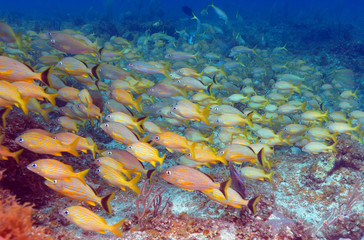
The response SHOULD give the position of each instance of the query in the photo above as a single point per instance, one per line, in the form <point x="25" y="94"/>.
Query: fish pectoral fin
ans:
<point x="101" y="231"/>
<point x="6" y="72"/>
<point x="51" y="180"/>
<point x="122" y="188"/>
<point x="169" y="150"/>
<point x="85" y="75"/>
<point x="91" y="203"/>
<point x="69" y="70"/>
<point x="184" y="182"/>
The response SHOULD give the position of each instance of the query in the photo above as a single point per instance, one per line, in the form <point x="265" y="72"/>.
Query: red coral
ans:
<point x="16" y="220"/>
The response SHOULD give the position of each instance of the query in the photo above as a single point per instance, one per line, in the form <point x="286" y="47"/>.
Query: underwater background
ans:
<point x="156" y="119"/>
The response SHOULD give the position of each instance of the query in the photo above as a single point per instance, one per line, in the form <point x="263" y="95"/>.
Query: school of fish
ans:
<point x="171" y="103"/>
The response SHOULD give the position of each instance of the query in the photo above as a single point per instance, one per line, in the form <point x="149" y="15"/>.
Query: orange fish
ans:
<point x="77" y="189"/>
<point x="124" y="97"/>
<point x="88" y="220"/>
<point x="32" y="90"/>
<point x="70" y="44"/>
<point x="39" y="143"/>
<point x="13" y="70"/>
<point x="174" y="142"/>
<point x="205" y="155"/>
<point x="191" y="179"/>
<point x="9" y="93"/>
<point x="145" y="153"/>
<point x="68" y="94"/>
<point x="52" y="169"/>
<point x="5" y="153"/>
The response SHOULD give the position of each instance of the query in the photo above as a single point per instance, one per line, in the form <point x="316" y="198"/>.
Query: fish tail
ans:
<point x="4" y="112"/>
<point x="52" y="98"/>
<point x="44" y="76"/>
<point x="140" y="122"/>
<point x="269" y="176"/>
<point x="355" y="93"/>
<point x="105" y="202"/>
<point x="357" y="129"/>
<point x="165" y="70"/>
<point x="161" y="160"/>
<point x="115" y="229"/>
<point x="210" y="139"/>
<point x="92" y="146"/>
<point x="133" y="183"/>
<point x="298" y="88"/>
<point x="23" y="106"/>
<point x="252" y="204"/>
<point x="45" y="113"/>
<point x="205" y="115"/>
<point x="95" y="72"/>
<point x="222" y="70"/>
<point x="72" y="147"/>
<point x="224" y="187"/>
<point x="150" y="174"/>
<point x="138" y="105"/>
<point x="248" y="119"/>
<point x="261" y="157"/>
<point x="16" y="155"/>
<point x="82" y="175"/>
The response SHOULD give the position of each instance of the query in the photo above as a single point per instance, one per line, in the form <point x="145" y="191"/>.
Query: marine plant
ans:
<point x="155" y="202"/>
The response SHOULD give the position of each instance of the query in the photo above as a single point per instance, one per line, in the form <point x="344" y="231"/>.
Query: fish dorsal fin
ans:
<point x="28" y="66"/>
<point x="92" y="189"/>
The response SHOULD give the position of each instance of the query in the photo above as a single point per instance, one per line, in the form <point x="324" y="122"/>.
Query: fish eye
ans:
<point x="216" y="108"/>
<point x="157" y="138"/>
<point x="221" y="152"/>
<point x="174" y="108"/>
<point x="60" y="63"/>
<point x="66" y="212"/>
<point x="217" y="120"/>
<point x="98" y="170"/>
<point x="109" y="153"/>
<point x="189" y="154"/>
<point x="21" y="140"/>
<point x="54" y="137"/>
<point x="53" y="41"/>
<point x="285" y="129"/>
<point x="130" y="147"/>
<point x="168" y="172"/>
<point x="98" y="160"/>
<point x="108" y="116"/>
<point x="55" y="181"/>
<point x="106" y="125"/>
<point x="34" y="165"/>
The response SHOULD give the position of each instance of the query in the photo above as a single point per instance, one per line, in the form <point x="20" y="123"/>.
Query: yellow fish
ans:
<point x="233" y="199"/>
<point x="145" y="153"/>
<point x="9" y="93"/>
<point x="115" y="178"/>
<point x="52" y="169"/>
<point x="174" y="142"/>
<point x="76" y="189"/>
<point x="88" y="220"/>
<point x="39" y="143"/>
<point x="192" y="111"/>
